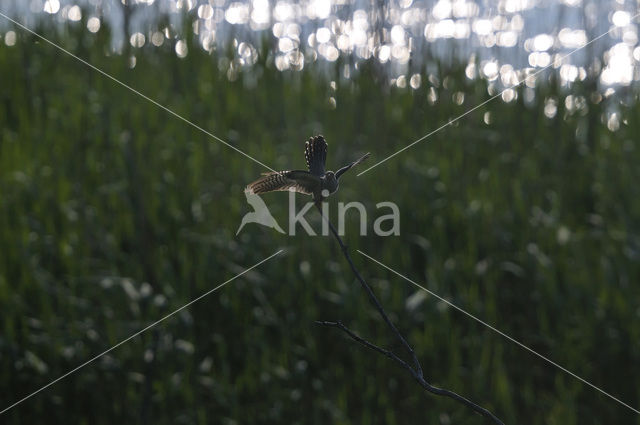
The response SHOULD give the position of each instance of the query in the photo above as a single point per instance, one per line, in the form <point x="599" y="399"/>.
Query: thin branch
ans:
<point x="415" y="371"/>
<point x="371" y="295"/>
<point x="430" y="388"/>
<point x="368" y="344"/>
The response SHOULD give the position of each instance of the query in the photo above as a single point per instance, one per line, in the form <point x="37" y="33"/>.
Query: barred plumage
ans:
<point x="285" y="180"/>
<point x="316" y="182"/>
<point x="315" y="153"/>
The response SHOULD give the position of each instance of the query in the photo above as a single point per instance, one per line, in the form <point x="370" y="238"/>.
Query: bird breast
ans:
<point x="329" y="184"/>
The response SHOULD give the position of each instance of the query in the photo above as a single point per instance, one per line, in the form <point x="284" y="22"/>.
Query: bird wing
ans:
<point x="354" y="163"/>
<point x="296" y="180"/>
<point x="315" y="152"/>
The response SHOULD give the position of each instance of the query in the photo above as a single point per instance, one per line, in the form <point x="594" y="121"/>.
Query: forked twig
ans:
<point x="416" y="369"/>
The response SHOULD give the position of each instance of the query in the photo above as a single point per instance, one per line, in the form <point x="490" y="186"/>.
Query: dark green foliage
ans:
<point x="113" y="213"/>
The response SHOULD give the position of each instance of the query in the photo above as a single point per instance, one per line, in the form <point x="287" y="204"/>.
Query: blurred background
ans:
<point x="113" y="213"/>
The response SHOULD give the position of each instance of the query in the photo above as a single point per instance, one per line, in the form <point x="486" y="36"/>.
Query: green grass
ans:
<point x="114" y="213"/>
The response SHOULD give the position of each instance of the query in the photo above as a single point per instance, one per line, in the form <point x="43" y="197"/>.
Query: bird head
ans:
<point x="331" y="182"/>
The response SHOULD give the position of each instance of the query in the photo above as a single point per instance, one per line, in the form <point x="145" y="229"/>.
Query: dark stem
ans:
<point x="372" y="297"/>
<point x="416" y="370"/>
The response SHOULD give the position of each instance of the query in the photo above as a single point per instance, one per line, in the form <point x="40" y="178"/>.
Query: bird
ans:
<point x="260" y="215"/>
<point x="316" y="182"/>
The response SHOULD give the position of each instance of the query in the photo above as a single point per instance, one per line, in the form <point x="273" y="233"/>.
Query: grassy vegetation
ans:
<point x="113" y="214"/>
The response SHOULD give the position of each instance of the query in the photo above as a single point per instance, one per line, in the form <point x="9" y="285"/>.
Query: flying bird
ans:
<point x="316" y="182"/>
